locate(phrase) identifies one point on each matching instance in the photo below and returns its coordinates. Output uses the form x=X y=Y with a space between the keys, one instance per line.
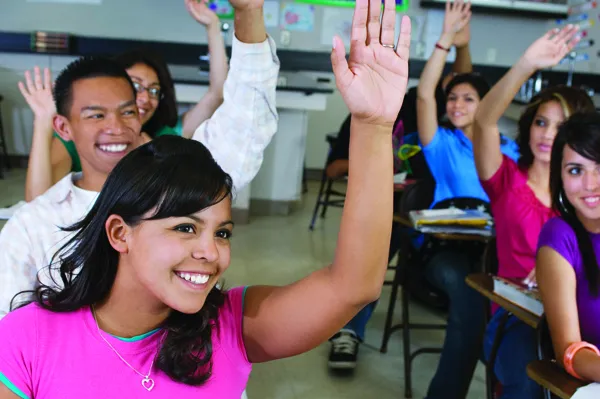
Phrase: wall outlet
x=491 y=55
x=284 y=39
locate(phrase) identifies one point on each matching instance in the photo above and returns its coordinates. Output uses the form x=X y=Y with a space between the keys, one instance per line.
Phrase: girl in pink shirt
x=145 y=262
x=519 y=192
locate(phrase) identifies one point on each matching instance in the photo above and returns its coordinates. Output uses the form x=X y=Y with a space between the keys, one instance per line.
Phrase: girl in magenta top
x=569 y=246
x=135 y=306
x=519 y=191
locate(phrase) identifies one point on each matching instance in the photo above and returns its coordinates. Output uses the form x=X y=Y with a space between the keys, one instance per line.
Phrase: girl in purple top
x=567 y=260
x=145 y=262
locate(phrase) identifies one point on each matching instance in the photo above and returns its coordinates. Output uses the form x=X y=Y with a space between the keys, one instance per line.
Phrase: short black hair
x=84 y=68
x=166 y=112
x=475 y=80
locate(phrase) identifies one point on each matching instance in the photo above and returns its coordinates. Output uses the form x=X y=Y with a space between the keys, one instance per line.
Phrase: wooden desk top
x=551 y=376
x=484 y=284
x=404 y=221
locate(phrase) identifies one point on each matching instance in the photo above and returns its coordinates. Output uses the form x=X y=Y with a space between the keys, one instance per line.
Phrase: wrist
x=525 y=66
x=372 y=127
x=446 y=39
x=462 y=47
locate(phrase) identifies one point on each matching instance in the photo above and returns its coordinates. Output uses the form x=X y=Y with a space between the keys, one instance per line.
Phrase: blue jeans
x=517 y=349
x=447 y=271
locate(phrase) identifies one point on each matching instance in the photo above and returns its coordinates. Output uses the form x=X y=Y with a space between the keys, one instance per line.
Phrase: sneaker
x=344 y=350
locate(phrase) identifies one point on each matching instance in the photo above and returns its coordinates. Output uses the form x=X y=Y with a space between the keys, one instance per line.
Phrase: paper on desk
x=6 y=213
x=591 y=391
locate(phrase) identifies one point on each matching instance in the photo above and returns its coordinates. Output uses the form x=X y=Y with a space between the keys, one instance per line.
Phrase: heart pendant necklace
x=147 y=382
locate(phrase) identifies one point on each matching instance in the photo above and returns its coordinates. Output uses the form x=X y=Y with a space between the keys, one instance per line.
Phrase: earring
x=561 y=201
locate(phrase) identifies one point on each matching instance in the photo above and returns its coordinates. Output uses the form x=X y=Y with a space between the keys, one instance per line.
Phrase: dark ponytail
x=168 y=177
x=581 y=132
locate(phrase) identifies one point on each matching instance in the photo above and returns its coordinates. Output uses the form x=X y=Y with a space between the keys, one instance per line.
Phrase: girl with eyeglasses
x=51 y=158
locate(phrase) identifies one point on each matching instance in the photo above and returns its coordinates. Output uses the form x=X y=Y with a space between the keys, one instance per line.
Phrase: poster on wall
x=401 y=5
x=222 y=8
x=271 y=13
x=297 y=17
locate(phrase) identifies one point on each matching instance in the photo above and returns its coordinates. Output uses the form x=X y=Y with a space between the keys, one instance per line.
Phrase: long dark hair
x=166 y=112
x=171 y=177
x=572 y=100
x=581 y=132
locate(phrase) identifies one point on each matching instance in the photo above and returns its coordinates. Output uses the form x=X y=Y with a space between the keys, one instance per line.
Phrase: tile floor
x=279 y=250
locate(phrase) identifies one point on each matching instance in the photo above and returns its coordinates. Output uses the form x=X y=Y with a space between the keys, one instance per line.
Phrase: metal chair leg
x=318 y=204
x=327 y=195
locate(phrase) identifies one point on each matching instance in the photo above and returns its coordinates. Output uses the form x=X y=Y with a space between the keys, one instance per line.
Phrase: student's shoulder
x=21 y=319
x=44 y=205
x=33 y=316
x=558 y=234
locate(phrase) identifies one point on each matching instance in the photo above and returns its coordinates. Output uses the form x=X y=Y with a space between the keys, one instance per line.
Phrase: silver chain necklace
x=147 y=382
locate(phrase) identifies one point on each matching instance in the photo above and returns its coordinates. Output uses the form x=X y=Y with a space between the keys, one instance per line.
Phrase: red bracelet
x=437 y=45
x=570 y=354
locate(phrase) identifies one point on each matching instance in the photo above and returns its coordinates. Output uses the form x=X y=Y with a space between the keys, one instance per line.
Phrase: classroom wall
x=496 y=40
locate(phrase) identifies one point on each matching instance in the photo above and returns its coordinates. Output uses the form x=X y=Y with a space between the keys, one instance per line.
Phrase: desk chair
x=327 y=195
x=3 y=151
x=416 y=196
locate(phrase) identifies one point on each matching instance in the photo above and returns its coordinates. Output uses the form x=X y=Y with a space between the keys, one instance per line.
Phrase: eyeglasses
x=153 y=92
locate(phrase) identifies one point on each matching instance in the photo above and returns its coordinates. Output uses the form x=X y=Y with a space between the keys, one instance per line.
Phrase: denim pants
x=516 y=350
x=447 y=271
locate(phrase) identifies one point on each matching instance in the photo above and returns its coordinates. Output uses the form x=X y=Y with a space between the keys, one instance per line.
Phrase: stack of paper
x=452 y=221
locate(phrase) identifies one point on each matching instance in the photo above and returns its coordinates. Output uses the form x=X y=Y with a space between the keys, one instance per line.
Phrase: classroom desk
x=400 y=277
x=484 y=284
x=552 y=377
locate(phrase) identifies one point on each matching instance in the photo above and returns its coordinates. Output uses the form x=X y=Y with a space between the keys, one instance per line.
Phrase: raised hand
x=201 y=12
x=38 y=93
x=373 y=81
x=463 y=36
x=457 y=17
x=549 y=49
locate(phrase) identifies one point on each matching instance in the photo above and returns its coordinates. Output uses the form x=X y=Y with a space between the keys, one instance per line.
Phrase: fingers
x=47 y=79
x=339 y=64
x=37 y=78
x=373 y=25
x=29 y=82
x=359 y=22
x=566 y=34
x=403 y=45
x=388 y=22
x=24 y=91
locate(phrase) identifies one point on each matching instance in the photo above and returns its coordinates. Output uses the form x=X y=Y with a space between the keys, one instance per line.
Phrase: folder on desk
x=520 y=294
x=450 y=217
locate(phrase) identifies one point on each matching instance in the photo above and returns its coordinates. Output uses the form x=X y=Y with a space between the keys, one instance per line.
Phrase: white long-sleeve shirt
x=236 y=135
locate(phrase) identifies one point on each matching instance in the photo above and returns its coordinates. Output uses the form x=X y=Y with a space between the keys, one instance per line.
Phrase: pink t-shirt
x=519 y=217
x=61 y=355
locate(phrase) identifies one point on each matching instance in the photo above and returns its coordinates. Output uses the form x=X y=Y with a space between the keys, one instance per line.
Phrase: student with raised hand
x=567 y=266
x=52 y=157
x=140 y=309
x=519 y=191
x=448 y=152
x=96 y=103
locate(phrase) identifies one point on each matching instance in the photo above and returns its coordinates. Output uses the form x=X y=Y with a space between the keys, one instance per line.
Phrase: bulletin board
x=401 y=5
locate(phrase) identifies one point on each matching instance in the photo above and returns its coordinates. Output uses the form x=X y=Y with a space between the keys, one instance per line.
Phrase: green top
x=176 y=130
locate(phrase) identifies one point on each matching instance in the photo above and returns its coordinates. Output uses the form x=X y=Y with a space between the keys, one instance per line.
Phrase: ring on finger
x=388 y=45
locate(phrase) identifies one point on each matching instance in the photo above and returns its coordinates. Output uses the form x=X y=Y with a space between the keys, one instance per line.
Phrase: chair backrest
x=545 y=349
x=490 y=257
x=416 y=196
x=463 y=203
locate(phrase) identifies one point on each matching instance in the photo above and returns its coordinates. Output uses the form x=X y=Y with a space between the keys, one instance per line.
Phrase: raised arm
x=217 y=64
x=545 y=52
x=462 y=63
x=47 y=163
x=558 y=287
x=456 y=18
x=242 y=127
x=284 y=321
